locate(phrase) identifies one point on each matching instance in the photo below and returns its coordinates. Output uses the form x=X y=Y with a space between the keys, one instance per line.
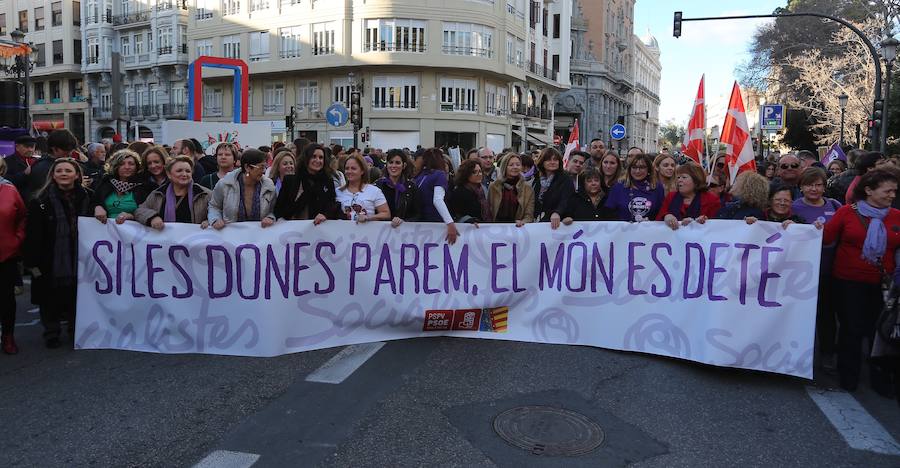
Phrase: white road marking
x=228 y=459
x=26 y=280
x=344 y=363
x=856 y=425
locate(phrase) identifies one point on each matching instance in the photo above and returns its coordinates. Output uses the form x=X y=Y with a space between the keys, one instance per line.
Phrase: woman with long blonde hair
x=665 y=165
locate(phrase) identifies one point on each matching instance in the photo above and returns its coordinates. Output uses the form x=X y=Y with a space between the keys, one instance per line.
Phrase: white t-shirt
x=365 y=202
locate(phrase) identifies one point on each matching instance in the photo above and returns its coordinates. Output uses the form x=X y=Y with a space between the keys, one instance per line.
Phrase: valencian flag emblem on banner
x=696 y=131
x=736 y=136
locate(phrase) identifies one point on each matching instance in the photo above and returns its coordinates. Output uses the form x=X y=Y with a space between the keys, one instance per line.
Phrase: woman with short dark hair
x=468 y=201
x=589 y=202
x=432 y=181
x=398 y=187
x=244 y=194
x=691 y=201
x=309 y=193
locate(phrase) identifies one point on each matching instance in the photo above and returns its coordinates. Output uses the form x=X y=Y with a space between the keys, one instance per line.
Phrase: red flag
x=573 y=143
x=695 y=135
x=736 y=136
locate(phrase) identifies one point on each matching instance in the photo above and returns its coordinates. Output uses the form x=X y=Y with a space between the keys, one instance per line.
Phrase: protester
x=186 y=147
x=750 y=197
x=528 y=169
x=300 y=145
x=867 y=235
x=589 y=203
x=864 y=163
x=207 y=162
x=598 y=150
x=398 y=188
x=51 y=243
x=118 y=194
x=12 y=235
x=720 y=178
x=770 y=170
x=488 y=168
x=611 y=168
x=468 y=201
x=432 y=182
x=690 y=201
x=807 y=159
x=812 y=206
x=244 y=194
x=361 y=201
x=180 y=201
x=60 y=144
x=18 y=164
x=575 y=165
x=664 y=165
x=94 y=168
x=634 y=151
x=781 y=200
x=788 y=174
x=138 y=146
x=282 y=165
x=639 y=197
x=227 y=159
x=552 y=188
x=510 y=197
x=310 y=192
x=836 y=167
x=153 y=160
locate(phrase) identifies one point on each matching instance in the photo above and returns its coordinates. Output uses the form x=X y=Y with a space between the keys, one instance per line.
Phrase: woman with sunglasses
x=552 y=188
x=51 y=246
x=310 y=192
x=119 y=193
x=720 y=180
x=227 y=159
x=468 y=200
x=361 y=201
x=398 y=188
x=180 y=201
x=639 y=197
x=244 y=194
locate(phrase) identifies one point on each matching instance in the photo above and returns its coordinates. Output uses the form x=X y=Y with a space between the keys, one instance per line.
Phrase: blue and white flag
x=834 y=153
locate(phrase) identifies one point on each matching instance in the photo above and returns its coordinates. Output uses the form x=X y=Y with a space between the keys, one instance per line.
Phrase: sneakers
x=8 y=343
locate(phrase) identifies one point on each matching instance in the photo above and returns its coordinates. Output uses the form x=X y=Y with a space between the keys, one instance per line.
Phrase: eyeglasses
x=791 y=166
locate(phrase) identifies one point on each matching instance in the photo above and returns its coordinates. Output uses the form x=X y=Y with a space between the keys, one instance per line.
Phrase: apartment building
x=53 y=27
x=135 y=65
x=647 y=75
x=431 y=72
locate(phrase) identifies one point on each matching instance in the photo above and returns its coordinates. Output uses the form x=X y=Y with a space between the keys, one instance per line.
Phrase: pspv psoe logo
x=437 y=320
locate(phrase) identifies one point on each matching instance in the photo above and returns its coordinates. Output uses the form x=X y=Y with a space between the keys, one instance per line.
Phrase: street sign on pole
x=337 y=115
x=617 y=132
x=772 y=117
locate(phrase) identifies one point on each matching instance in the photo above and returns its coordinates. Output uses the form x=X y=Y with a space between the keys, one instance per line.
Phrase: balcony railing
x=289 y=53
x=395 y=105
x=102 y=113
x=148 y=110
x=520 y=109
x=93 y=60
x=273 y=108
x=173 y=110
x=135 y=111
x=457 y=107
x=393 y=47
x=203 y=14
x=180 y=4
x=259 y=5
x=469 y=51
x=165 y=50
x=131 y=18
x=542 y=71
x=183 y=48
x=513 y=11
x=212 y=111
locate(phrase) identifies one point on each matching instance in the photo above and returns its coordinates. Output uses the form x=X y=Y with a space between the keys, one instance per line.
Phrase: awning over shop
x=47 y=125
x=537 y=139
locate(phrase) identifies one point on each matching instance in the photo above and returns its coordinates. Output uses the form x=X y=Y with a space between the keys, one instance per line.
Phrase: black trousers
x=9 y=270
x=826 y=321
x=60 y=305
x=859 y=305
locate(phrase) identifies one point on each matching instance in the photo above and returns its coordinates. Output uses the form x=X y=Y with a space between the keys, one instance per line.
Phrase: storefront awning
x=537 y=139
x=47 y=125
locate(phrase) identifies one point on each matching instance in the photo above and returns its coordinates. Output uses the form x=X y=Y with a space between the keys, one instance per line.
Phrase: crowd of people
x=854 y=203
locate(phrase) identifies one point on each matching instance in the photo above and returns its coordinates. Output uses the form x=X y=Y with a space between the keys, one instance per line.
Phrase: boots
x=8 y=343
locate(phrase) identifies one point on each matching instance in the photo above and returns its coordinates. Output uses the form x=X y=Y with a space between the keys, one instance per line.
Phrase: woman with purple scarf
x=432 y=184
x=179 y=201
x=398 y=187
x=867 y=234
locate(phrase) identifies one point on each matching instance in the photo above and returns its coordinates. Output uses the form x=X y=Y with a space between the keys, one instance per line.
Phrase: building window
x=556 y=25
x=231 y=46
x=257 y=5
x=502 y=100
x=517 y=8
x=57 y=52
x=55 y=92
x=39 y=97
x=534 y=14
x=394 y=35
x=468 y=39
x=56 y=14
x=76 y=90
x=125 y=46
x=40 y=55
x=138 y=43
x=308 y=95
x=290 y=41
x=3 y=24
x=259 y=46
x=459 y=95
x=149 y=41
x=23 y=21
x=204 y=47
x=205 y=9
x=164 y=40
x=76 y=47
x=273 y=98
x=76 y=13
x=490 y=99
x=212 y=102
x=395 y=92
x=182 y=39
x=341 y=88
x=323 y=38
x=231 y=7
x=93 y=51
x=545 y=22
x=39 y=19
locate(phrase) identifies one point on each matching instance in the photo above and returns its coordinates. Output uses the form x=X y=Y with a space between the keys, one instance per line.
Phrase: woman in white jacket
x=244 y=194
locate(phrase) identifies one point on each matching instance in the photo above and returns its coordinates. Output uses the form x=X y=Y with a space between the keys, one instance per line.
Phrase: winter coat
x=226 y=198
x=318 y=196
x=524 y=195
x=555 y=198
x=407 y=206
x=153 y=205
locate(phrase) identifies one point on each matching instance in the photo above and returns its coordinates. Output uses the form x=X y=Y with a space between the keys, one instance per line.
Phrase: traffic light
x=875 y=121
x=356 y=109
x=676 y=29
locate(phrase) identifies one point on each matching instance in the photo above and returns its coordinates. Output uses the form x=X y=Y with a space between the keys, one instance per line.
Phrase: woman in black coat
x=309 y=193
x=589 y=203
x=552 y=188
x=467 y=201
x=51 y=245
x=398 y=187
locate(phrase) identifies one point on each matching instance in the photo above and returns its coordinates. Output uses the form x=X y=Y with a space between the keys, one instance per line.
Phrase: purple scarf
x=876 y=235
x=693 y=210
x=171 y=203
x=278 y=185
x=399 y=187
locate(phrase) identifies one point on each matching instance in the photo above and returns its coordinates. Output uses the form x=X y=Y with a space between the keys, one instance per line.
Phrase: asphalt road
x=425 y=402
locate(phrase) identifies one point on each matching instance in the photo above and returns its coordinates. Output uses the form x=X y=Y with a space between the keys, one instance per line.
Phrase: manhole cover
x=544 y=430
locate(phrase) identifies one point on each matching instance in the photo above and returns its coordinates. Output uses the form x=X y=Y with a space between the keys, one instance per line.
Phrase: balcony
x=132 y=18
x=165 y=50
x=457 y=107
x=169 y=5
x=395 y=105
x=273 y=108
x=286 y=54
x=513 y=11
x=93 y=60
x=149 y=111
x=203 y=14
x=101 y=113
x=520 y=109
x=135 y=111
x=542 y=71
x=183 y=48
x=467 y=51
x=107 y=18
x=393 y=47
x=173 y=111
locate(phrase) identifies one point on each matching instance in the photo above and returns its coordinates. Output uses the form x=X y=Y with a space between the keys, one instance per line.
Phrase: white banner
x=210 y=134
x=724 y=293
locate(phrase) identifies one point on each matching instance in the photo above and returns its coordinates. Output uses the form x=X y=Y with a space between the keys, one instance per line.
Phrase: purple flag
x=834 y=153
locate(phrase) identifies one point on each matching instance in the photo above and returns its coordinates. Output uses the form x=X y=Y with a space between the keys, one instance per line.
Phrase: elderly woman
x=750 y=197
x=690 y=201
x=511 y=199
x=227 y=158
x=244 y=194
x=309 y=193
x=398 y=187
x=119 y=193
x=283 y=165
x=179 y=201
x=51 y=248
x=93 y=168
x=153 y=160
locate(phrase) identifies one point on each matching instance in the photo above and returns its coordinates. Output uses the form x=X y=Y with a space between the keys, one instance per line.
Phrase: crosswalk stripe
x=228 y=459
x=344 y=363
x=853 y=422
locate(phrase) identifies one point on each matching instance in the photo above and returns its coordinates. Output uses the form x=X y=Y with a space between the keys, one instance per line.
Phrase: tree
x=671 y=134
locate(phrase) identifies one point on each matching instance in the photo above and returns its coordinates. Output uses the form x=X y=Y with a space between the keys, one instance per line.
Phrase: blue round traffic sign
x=617 y=132
x=337 y=115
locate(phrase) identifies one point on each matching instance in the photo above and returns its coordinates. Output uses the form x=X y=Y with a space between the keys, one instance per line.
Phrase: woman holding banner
x=153 y=160
x=361 y=201
x=867 y=235
x=467 y=201
x=179 y=201
x=552 y=188
x=51 y=245
x=639 y=197
x=589 y=203
x=120 y=191
x=309 y=193
x=511 y=199
x=398 y=188
x=227 y=158
x=244 y=194
x=665 y=165
x=750 y=197
x=690 y=201
x=780 y=209
x=432 y=182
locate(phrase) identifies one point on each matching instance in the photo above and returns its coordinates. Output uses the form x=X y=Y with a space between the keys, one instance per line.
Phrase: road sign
x=772 y=117
x=337 y=115
x=617 y=132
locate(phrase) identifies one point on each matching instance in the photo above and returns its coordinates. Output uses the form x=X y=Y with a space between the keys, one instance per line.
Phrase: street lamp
x=842 y=100
x=19 y=37
x=761 y=101
x=889 y=52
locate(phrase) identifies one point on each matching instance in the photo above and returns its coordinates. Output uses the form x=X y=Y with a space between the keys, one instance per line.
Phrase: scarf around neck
x=122 y=186
x=399 y=187
x=876 y=234
x=693 y=210
x=172 y=202
x=242 y=208
x=486 y=216
x=66 y=215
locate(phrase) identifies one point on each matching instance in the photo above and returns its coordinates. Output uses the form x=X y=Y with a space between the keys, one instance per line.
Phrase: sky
x=712 y=47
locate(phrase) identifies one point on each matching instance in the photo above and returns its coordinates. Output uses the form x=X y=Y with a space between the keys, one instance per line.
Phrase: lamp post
x=761 y=101
x=19 y=37
x=889 y=52
x=842 y=100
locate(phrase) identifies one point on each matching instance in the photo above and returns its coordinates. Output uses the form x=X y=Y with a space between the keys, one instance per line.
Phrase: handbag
x=887 y=325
